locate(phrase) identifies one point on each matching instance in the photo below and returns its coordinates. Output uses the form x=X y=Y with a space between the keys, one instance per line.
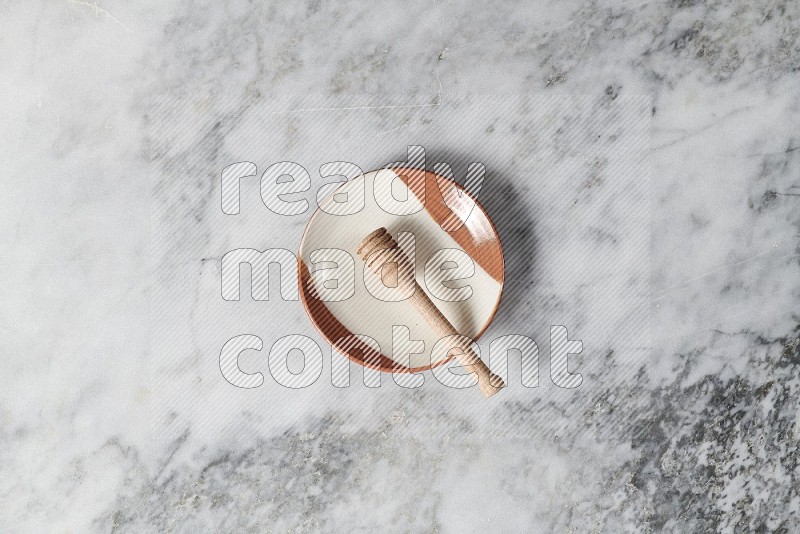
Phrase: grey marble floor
x=642 y=167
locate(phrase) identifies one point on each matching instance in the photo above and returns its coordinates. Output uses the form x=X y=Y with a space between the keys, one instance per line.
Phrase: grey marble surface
x=643 y=168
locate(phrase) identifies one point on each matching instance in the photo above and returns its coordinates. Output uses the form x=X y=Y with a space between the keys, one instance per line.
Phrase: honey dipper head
x=377 y=248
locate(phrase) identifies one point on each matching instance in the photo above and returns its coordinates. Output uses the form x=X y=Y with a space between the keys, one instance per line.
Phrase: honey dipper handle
x=488 y=382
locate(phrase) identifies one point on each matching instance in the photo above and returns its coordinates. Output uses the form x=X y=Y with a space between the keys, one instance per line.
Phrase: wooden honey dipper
x=378 y=249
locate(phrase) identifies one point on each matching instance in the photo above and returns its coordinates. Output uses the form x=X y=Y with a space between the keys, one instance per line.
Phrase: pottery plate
x=456 y=252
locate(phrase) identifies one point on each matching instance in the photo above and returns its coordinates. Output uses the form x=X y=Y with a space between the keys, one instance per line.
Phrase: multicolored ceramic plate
x=440 y=226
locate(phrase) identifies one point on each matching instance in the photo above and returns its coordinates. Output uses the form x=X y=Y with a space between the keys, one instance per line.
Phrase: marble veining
x=643 y=164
